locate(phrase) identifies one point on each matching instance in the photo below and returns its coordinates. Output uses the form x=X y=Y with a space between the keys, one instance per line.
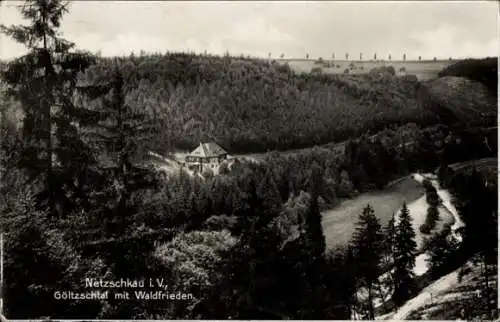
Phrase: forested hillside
x=482 y=70
x=250 y=105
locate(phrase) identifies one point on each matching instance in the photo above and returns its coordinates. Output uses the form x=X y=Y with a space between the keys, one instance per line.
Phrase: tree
x=315 y=238
x=440 y=248
x=444 y=175
x=43 y=81
x=347 y=56
x=367 y=245
x=194 y=260
x=432 y=196
x=389 y=241
x=360 y=56
x=390 y=57
x=477 y=201
x=419 y=58
x=387 y=283
x=307 y=56
x=375 y=56
x=404 y=57
x=405 y=250
x=333 y=56
x=117 y=135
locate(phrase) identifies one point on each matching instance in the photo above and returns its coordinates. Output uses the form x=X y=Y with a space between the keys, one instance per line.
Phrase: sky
x=428 y=29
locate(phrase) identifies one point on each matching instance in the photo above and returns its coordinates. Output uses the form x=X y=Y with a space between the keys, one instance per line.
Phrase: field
x=339 y=223
x=422 y=69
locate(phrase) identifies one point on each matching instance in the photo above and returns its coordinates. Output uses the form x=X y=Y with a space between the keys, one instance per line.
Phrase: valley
x=252 y=188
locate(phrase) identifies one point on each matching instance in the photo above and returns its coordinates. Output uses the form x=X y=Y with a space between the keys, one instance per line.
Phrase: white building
x=207 y=156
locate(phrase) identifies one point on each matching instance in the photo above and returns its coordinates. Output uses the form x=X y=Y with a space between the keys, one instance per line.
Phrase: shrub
x=425 y=229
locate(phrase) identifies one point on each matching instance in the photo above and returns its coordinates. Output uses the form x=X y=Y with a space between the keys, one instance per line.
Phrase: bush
x=425 y=229
x=346 y=71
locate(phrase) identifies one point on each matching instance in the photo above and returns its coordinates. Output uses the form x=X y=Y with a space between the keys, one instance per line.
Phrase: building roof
x=210 y=149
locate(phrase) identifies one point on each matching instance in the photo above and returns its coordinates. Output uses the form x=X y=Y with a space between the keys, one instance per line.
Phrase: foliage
x=405 y=250
x=367 y=244
x=192 y=261
x=249 y=98
x=42 y=81
x=461 y=101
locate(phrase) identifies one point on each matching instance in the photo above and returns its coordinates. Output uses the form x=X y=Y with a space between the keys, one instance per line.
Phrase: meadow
x=340 y=222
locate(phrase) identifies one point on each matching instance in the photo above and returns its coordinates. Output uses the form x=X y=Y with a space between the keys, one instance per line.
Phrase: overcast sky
x=441 y=29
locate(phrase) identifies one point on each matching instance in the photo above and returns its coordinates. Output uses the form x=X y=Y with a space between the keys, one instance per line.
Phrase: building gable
x=208 y=150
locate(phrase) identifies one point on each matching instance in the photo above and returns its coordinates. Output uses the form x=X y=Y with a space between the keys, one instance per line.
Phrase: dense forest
x=248 y=243
x=254 y=105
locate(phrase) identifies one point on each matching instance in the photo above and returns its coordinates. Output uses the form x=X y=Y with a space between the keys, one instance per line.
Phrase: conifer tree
x=405 y=249
x=367 y=246
x=389 y=239
x=388 y=254
x=315 y=238
x=42 y=81
x=116 y=135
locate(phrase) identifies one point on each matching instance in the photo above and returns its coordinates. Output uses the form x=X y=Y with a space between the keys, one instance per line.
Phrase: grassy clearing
x=339 y=223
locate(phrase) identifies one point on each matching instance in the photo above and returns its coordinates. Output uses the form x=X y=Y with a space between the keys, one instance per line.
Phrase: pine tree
x=405 y=249
x=444 y=174
x=367 y=246
x=388 y=252
x=117 y=134
x=440 y=248
x=315 y=238
x=42 y=81
x=389 y=236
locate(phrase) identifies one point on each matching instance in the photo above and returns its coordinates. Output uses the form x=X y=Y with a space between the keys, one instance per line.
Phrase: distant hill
x=482 y=70
x=465 y=92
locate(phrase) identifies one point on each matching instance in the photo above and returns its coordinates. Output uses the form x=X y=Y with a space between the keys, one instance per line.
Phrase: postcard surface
x=187 y=160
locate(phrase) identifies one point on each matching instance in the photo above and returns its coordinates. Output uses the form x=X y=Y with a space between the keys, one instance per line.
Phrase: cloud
x=448 y=41
x=428 y=29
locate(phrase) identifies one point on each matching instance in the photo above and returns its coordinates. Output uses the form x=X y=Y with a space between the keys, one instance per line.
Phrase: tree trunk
x=371 y=309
